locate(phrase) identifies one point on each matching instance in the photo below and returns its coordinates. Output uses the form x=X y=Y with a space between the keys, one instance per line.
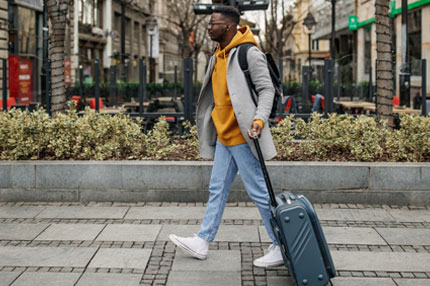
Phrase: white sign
x=153 y=37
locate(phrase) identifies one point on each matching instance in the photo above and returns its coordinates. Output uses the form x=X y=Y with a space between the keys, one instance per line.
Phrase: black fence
x=143 y=99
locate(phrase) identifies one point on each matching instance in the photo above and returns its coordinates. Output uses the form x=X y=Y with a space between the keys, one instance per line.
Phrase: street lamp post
x=122 y=42
x=309 y=22
x=405 y=75
x=151 y=24
x=333 y=29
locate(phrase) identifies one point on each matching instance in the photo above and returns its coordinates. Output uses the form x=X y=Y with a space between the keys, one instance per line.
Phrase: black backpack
x=274 y=75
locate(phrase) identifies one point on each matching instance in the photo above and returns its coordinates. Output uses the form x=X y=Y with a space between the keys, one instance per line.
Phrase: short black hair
x=229 y=12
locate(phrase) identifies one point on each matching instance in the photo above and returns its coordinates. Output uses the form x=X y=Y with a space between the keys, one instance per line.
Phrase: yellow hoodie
x=223 y=115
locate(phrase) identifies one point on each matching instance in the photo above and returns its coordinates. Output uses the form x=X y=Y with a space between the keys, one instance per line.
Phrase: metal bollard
x=97 y=85
x=188 y=89
x=4 y=84
x=140 y=95
x=328 y=85
x=48 y=87
x=424 y=110
x=305 y=88
x=112 y=85
x=175 y=93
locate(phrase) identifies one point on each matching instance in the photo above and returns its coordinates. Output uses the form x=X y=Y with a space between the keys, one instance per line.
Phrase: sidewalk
x=126 y=244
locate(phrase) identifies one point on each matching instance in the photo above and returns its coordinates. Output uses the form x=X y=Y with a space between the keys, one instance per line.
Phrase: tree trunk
x=384 y=63
x=57 y=12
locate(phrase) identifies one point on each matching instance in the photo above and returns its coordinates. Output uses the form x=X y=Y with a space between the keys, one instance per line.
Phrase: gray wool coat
x=244 y=108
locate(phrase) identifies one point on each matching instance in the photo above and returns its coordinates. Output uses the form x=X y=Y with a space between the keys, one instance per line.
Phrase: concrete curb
x=178 y=181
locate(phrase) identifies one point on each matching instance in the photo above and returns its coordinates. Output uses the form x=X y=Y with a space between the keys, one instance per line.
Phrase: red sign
x=67 y=72
x=21 y=79
x=25 y=81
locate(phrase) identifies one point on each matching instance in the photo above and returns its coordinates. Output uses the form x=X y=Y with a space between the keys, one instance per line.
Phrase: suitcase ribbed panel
x=301 y=241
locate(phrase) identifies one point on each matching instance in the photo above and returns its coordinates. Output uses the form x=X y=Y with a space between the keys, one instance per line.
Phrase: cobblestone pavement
x=126 y=244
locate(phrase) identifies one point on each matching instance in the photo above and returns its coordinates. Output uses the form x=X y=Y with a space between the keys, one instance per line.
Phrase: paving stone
x=46 y=256
x=20 y=212
x=354 y=214
x=264 y=237
x=84 y=212
x=7 y=277
x=199 y=278
x=352 y=235
x=120 y=258
x=109 y=279
x=410 y=215
x=405 y=236
x=180 y=230
x=341 y=235
x=129 y=232
x=353 y=281
x=166 y=213
x=242 y=213
x=71 y=232
x=230 y=233
x=21 y=231
x=217 y=260
x=279 y=281
x=412 y=282
x=381 y=261
x=46 y=279
x=238 y=233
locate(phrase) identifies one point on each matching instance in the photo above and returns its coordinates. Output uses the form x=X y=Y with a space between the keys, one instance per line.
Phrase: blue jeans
x=316 y=107
x=228 y=160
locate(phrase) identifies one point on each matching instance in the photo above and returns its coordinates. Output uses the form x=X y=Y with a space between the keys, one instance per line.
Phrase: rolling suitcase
x=299 y=234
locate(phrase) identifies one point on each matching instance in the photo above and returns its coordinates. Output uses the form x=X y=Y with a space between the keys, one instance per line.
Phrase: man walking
x=227 y=118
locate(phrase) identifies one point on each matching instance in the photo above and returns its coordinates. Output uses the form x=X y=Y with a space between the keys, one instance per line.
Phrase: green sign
x=353 y=22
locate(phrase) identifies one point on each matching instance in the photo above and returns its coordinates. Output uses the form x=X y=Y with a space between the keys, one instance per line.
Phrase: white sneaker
x=271 y=259
x=196 y=246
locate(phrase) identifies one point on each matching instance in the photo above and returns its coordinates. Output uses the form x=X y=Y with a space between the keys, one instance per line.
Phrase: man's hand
x=255 y=129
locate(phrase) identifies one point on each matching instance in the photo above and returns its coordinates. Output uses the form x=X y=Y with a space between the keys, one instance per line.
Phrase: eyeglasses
x=210 y=24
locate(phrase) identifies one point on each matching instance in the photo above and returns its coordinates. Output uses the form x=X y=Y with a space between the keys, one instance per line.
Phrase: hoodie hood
x=243 y=35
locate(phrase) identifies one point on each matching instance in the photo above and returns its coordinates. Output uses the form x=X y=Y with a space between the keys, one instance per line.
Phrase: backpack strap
x=243 y=63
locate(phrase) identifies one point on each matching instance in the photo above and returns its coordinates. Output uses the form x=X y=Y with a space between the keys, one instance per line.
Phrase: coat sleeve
x=263 y=84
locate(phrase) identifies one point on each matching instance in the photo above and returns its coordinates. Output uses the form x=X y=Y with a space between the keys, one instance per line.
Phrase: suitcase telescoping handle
x=265 y=173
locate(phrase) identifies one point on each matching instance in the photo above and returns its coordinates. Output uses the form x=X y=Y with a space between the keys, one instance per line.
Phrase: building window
x=414 y=41
x=117 y=23
x=367 y=49
x=136 y=36
x=90 y=12
x=316 y=45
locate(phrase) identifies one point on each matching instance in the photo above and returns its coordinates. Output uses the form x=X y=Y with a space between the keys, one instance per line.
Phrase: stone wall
x=132 y=181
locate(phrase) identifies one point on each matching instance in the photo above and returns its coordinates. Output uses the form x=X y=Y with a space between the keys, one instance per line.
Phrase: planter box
x=179 y=181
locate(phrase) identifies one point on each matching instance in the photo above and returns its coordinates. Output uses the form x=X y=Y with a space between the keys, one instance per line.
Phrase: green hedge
x=32 y=136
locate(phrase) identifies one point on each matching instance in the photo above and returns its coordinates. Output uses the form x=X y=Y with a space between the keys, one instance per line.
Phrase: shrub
x=94 y=136
x=412 y=141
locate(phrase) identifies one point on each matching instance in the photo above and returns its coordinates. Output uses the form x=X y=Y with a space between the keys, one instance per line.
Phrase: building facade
x=418 y=40
x=297 y=47
x=147 y=35
x=98 y=35
x=24 y=48
x=345 y=39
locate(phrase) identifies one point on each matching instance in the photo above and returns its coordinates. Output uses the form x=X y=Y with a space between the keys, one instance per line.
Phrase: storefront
x=25 y=50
